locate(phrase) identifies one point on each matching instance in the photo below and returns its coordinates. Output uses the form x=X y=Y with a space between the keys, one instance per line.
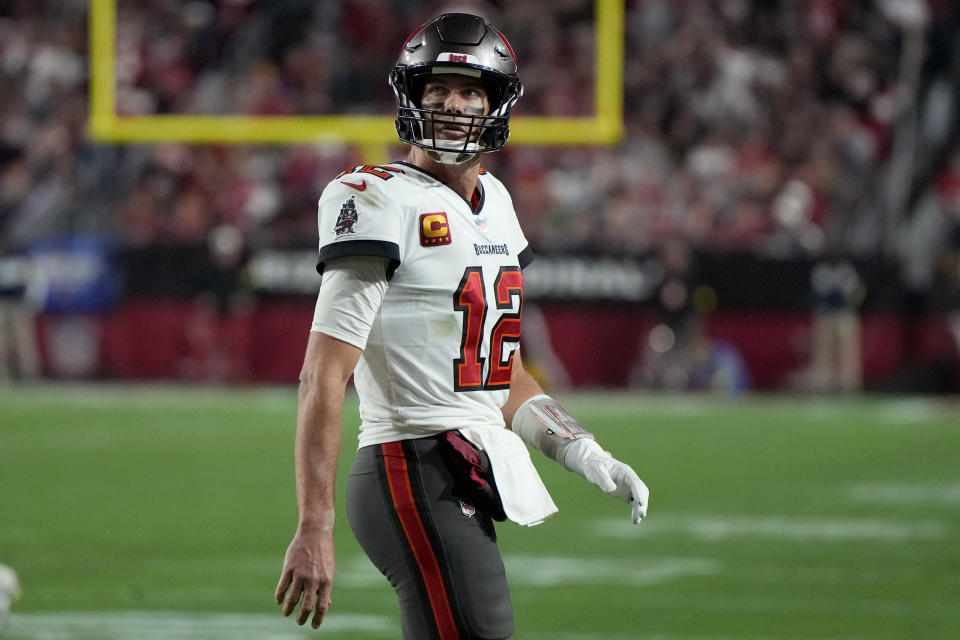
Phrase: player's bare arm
x=523 y=386
x=309 y=563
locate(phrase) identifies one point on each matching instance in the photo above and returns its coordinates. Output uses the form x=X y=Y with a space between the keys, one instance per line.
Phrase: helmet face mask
x=456 y=43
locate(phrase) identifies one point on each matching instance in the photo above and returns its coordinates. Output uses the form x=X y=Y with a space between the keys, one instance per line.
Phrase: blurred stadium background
x=747 y=222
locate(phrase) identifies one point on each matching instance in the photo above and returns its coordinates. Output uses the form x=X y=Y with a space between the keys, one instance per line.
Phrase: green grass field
x=147 y=513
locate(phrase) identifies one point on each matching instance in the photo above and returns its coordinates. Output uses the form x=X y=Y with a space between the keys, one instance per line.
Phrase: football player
x=421 y=301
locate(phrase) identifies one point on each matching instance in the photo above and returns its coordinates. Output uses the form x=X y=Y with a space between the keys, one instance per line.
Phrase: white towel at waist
x=525 y=499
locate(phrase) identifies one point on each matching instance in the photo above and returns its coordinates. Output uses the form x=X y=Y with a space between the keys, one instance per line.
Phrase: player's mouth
x=451 y=129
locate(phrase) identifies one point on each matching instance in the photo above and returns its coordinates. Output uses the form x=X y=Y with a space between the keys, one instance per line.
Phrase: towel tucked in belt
x=525 y=499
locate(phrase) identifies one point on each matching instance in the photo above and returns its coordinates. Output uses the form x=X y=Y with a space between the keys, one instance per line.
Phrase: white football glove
x=586 y=457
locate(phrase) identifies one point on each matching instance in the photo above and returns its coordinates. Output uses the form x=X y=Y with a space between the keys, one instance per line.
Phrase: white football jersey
x=440 y=352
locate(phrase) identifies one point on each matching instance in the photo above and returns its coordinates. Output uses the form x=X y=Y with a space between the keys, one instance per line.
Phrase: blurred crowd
x=751 y=125
x=818 y=130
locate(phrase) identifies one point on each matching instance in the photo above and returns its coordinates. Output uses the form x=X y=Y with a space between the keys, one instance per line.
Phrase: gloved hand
x=586 y=457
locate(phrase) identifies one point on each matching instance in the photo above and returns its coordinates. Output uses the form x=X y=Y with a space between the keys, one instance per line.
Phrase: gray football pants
x=438 y=551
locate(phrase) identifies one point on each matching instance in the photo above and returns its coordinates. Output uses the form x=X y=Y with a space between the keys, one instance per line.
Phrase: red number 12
x=470 y=298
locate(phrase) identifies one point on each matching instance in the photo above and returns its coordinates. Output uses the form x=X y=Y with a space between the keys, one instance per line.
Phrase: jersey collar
x=476 y=200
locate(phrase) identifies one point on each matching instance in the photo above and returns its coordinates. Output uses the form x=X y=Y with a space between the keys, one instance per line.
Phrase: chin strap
x=448 y=157
x=449 y=151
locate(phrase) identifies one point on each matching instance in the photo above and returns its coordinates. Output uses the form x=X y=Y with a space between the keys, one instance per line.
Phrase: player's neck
x=462 y=178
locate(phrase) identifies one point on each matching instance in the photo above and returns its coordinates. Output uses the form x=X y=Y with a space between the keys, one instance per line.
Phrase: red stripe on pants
x=406 y=507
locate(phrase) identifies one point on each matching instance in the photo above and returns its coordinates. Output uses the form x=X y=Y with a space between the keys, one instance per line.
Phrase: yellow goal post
x=371 y=133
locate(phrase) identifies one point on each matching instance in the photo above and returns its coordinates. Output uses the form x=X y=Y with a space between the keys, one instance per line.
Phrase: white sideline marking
x=909 y=411
x=902 y=494
x=545 y=571
x=175 y=625
x=788 y=528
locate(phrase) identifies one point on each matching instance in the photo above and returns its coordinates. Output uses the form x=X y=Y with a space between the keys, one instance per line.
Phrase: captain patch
x=434 y=229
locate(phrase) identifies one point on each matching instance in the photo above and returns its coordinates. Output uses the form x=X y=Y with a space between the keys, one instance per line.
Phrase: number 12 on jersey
x=470 y=298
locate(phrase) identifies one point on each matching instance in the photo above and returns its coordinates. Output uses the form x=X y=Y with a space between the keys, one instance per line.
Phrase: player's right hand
x=308 y=569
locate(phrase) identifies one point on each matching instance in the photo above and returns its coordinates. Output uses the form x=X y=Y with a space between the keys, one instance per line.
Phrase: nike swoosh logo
x=359 y=187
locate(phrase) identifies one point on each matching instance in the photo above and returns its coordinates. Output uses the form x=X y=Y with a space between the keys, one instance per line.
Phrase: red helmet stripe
x=506 y=42
x=414 y=35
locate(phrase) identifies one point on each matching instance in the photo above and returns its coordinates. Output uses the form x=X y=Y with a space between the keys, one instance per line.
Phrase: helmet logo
x=456 y=57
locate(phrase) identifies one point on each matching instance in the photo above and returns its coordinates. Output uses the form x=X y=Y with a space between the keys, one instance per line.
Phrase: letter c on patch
x=435 y=225
x=434 y=229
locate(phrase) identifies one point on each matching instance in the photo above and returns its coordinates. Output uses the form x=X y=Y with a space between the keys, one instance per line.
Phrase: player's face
x=459 y=96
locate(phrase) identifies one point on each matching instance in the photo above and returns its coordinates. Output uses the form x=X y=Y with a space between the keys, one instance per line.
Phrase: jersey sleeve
x=525 y=257
x=349 y=299
x=358 y=217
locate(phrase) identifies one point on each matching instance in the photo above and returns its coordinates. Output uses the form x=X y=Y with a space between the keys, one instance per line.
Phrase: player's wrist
x=545 y=425
x=321 y=522
x=577 y=453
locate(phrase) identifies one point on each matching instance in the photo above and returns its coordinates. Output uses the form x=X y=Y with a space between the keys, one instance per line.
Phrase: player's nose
x=454 y=103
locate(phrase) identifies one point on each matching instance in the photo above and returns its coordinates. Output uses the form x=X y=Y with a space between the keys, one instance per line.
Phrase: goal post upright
x=373 y=133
